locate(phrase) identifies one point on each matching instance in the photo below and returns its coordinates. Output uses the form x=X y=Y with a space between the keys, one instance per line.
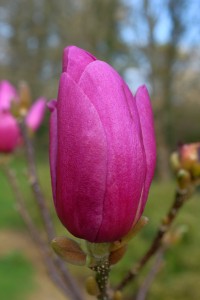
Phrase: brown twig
x=180 y=197
x=144 y=289
x=34 y=181
x=44 y=211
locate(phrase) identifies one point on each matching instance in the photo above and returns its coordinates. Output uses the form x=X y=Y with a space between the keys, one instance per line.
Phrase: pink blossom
x=9 y=133
x=7 y=94
x=102 y=149
x=35 y=115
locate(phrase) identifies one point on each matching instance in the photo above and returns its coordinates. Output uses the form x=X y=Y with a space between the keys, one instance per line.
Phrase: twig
x=180 y=197
x=34 y=181
x=21 y=207
x=143 y=291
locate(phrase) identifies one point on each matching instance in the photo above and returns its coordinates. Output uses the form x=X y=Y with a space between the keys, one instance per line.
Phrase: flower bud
x=9 y=133
x=102 y=149
x=24 y=98
x=190 y=158
x=92 y=286
x=117 y=295
x=187 y=158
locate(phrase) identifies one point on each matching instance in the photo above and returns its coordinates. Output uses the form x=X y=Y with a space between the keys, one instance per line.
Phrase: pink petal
x=75 y=61
x=9 y=133
x=146 y=119
x=81 y=162
x=126 y=161
x=52 y=105
x=35 y=115
x=7 y=94
x=53 y=145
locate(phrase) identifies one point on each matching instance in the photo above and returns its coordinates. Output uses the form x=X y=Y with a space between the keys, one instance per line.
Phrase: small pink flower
x=35 y=114
x=9 y=133
x=7 y=94
x=102 y=149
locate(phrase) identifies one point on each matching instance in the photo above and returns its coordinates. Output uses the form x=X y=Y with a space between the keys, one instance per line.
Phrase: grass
x=180 y=274
x=16 y=277
x=181 y=271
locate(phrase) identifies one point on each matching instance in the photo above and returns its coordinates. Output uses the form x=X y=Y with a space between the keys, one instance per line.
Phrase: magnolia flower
x=102 y=149
x=35 y=113
x=9 y=129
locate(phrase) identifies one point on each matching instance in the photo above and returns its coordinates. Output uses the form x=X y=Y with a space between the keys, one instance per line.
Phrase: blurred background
x=152 y=42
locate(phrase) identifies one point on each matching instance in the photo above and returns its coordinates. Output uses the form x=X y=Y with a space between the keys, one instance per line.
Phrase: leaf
x=69 y=250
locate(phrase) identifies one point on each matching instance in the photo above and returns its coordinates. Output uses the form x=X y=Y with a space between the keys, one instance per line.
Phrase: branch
x=44 y=211
x=180 y=197
x=34 y=181
x=143 y=291
x=23 y=211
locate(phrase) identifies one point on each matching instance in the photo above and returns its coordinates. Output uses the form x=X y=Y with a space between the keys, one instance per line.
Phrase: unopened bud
x=174 y=236
x=183 y=179
x=186 y=165
x=190 y=158
x=92 y=286
x=175 y=161
x=24 y=98
x=117 y=295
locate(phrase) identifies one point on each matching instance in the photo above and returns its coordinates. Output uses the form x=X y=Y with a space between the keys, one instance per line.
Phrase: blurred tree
x=144 y=34
x=40 y=29
x=34 y=33
x=164 y=62
x=163 y=59
x=100 y=28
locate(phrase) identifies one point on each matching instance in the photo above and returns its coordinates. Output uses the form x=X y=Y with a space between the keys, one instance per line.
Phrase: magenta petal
x=52 y=104
x=7 y=94
x=126 y=158
x=81 y=162
x=75 y=61
x=9 y=133
x=35 y=115
x=146 y=119
x=102 y=149
x=53 y=146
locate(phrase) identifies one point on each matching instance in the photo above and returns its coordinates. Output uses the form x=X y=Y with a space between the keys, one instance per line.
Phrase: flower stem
x=102 y=274
x=35 y=185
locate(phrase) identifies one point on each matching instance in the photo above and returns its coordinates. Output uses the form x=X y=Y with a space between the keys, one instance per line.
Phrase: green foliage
x=178 y=278
x=8 y=214
x=16 y=277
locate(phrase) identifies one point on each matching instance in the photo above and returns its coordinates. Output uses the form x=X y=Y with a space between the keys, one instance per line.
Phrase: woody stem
x=102 y=273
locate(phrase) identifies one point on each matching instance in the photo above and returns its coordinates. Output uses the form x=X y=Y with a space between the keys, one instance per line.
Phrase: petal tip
x=52 y=104
x=142 y=90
